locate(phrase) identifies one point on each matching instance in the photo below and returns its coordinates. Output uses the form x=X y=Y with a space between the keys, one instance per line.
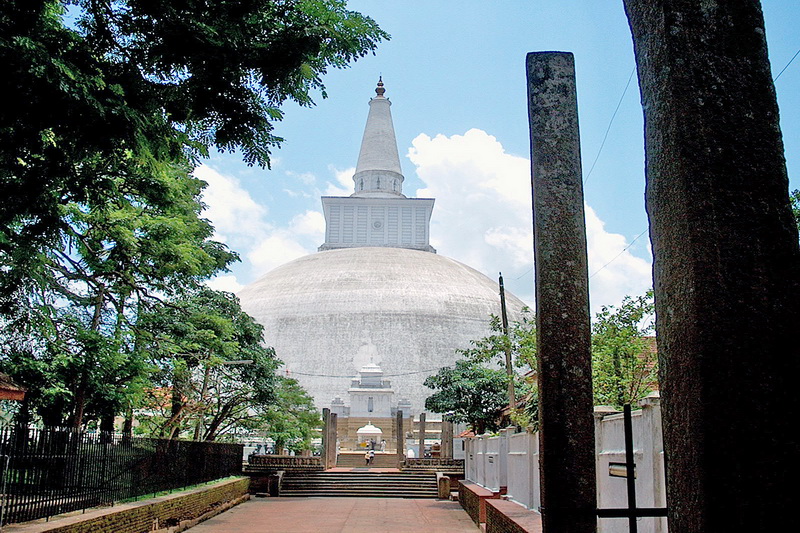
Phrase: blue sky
x=456 y=76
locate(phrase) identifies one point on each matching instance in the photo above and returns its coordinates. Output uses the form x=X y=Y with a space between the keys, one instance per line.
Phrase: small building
x=10 y=390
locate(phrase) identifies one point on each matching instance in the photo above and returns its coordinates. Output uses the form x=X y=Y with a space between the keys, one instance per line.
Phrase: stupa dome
x=331 y=313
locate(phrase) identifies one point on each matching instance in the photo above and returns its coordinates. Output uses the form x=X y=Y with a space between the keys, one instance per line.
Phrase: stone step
x=381 y=460
x=360 y=484
x=361 y=480
x=348 y=485
x=354 y=474
x=396 y=493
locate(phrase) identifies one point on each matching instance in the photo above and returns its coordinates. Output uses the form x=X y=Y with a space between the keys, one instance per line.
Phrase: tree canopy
x=624 y=360
x=475 y=389
x=100 y=94
x=291 y=420
x=211 y=360
x=624 y=367
x=103 y=251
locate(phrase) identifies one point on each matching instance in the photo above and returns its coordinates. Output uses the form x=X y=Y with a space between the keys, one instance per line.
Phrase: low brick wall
x=472 y=498
x=164 y=514
x=503 y=516
x=289 y=463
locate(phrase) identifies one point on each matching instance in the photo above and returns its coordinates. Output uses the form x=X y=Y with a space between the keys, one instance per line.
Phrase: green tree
x=521 y=340
x=794 y=197
x=102 y=92
x=292 y=420
x=83 y=295
x=624 y=362
x=193 y=340
x=469 y=392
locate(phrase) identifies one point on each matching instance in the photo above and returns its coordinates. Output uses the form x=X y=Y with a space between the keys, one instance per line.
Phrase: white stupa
x=376 y=293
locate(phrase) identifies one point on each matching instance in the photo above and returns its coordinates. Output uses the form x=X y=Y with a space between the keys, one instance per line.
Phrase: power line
x=351 y=376
x=787 y=66
x=619 y=254
x=608 y=129
x=525 y=274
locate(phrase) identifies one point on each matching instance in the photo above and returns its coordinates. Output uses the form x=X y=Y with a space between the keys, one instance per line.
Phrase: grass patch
x=173 y=491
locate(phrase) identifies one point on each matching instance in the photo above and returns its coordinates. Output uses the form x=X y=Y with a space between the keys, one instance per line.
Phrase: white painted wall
x=512 y=460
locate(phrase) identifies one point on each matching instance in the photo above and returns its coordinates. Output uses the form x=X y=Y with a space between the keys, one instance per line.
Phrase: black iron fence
x=49 y=471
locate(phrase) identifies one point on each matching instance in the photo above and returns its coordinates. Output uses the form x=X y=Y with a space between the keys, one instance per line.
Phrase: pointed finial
x=380 y=90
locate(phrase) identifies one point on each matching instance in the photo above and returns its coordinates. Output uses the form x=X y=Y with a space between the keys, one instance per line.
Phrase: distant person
x=371 y=456
x=410 y=453
x=383 y=445
x=366 y=459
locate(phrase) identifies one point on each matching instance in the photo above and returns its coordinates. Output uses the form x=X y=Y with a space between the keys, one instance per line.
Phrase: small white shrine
x=369 y=433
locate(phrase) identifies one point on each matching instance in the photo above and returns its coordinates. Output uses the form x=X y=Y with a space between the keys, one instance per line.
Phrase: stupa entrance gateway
x=368 y=419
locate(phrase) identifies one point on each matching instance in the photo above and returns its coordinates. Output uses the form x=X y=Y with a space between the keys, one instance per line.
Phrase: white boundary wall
x=511 y=460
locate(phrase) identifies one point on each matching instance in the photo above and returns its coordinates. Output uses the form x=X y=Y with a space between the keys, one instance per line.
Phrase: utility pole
x=512 y=400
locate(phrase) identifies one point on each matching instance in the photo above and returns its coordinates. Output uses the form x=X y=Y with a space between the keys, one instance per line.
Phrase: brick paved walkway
x=340 y=515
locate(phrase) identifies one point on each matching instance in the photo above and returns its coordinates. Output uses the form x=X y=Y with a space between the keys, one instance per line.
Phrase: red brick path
x=340 y=515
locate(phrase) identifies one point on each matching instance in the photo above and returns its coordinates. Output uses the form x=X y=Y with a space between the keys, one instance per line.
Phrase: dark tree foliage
x=469 y=392
x=100 y=90
x=69 y=331
x=292 y=421
x=475 y=390
x=624 y=361
x=210 y=358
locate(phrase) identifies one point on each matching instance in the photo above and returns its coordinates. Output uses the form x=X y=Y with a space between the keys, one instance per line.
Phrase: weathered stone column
x=447 y=439
x=726 y=264
x=562 y=298
x=421 y=435
x=401 y=440
x=326 y=437
x=333 y=435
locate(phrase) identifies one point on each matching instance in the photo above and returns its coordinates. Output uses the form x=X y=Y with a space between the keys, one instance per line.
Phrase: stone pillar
x=334 y=438
x=562 y=298
x=332 y=434
x=447 y=439
x=421 y=435
x=726 y=264
x=326 y=437
x=401 y=440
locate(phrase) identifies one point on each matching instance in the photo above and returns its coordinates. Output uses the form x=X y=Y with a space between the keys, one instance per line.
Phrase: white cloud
x=482 y=217
x=614 y=272
x=225 y=282
x=344 y=182
x=296 y=194
x=230 y=208
x=242 y=224
x=310 y=223
x=304 y=233
x=278 y=248
x=306 y=178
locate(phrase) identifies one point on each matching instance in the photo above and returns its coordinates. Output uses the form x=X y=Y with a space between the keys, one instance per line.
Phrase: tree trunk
x=213 y=427
x=726 y=264
x=107 y=427
x=127 y=426
x=76 y=421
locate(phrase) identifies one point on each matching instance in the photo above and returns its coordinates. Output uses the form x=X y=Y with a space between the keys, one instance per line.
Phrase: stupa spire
x=378 y=173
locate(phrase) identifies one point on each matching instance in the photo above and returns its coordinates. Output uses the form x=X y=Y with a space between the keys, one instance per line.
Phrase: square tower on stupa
x=378 y=213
